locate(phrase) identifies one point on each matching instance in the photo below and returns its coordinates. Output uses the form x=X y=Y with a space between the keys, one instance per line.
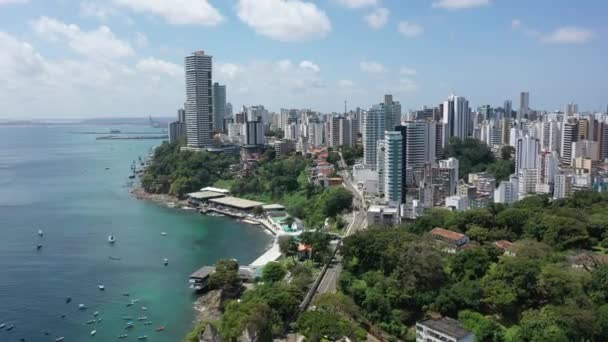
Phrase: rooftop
x=447 y=326
x=236 y=202
x=503 y=244
x=204 y=195
x=203 y=272
x=212 y=189
x=382 y=209
x=447 y=234
x=273 y=207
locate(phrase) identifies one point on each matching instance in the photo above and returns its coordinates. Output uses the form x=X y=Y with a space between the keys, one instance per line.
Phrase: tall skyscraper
x=456 y=118
x=393 y=154
x=420 y=143
x=340 y=132
x=392 y=112
x=199 y=100
x=508 y=107
x=551 y=136
x=602 y=139
x=526 y=153
x=524 y=106
x=219 y=106
x=569 y=135
x=571 y=109
x=181 y=115
x=404 y=174
x=373 y=131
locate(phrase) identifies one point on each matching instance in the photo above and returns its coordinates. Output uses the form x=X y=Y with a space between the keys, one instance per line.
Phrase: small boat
x=129 y=304
x=142 y=318
x=163 y=234
x=58 y=339
x=148 y=323
x=161 y=328
x=99 y=320
x=123 y=336
x=134 y=301
x=107 y=168
x=111 y=239
x=127 y=318
x=2 y=325
x=143 y=308
x=143 y=337
x=62 y=316
x=166 y=261
x=40 y=232
x=129 y=325
x=96 y=313
x=81 y=307
x=93 y=332
x=131 y=176
x=126 y=294
x=114 y=258
x=39 y=247
x=68 y=300
x=91 y=321
x=101 y=287
x=10 y=327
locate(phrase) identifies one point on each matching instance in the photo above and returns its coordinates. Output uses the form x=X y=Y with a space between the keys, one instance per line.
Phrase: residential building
x=551 y=136
x=219 y=107
x=177 y=130
x=392 y=112
x=442 y=330
x=524 y=106
x=254 y=132
x=457 y=203
x=484 y=182
x=585 y=149
x=563 y=186
x=527 y=182
x=548 y=165
x=393 y=163
x=199 y=100
x=453 y=241
x=457 y=121
x=602 y=139
x=508 y=107
x=571 y=109
x=420 y=143
x=383 y=215
x=284 y=147
x=373 y=131
x=526 y=153
x=508 y=191
x=340 y=132
x=569 y=135
x=315 y=134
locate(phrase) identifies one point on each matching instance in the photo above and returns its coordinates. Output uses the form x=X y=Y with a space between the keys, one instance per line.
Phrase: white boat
x=2 y=325
x=123 y=336
x=91 y=321
x=143 y=308
x=111 y=239
x=143 y=337
x=101 y=287
x=40 y=232
x=163 y=234
x=93 y=332
x=81 y=307
x=96 y=313
x=58 y=339
x=166 y=261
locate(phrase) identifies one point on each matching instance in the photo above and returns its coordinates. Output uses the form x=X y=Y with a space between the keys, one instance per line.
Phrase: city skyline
x=126 y=57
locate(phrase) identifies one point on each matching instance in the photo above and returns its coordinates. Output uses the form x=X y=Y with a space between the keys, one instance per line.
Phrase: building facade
x=199 y=100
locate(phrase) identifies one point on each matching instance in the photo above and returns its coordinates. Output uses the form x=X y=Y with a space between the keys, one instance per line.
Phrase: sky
x=112 y=58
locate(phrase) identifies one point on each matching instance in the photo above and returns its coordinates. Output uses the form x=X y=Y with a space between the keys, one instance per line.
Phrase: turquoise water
x=57 y=181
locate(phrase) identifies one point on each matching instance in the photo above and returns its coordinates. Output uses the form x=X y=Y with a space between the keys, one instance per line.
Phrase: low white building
x=457 y=203
x=383 y=215
x=442 y=330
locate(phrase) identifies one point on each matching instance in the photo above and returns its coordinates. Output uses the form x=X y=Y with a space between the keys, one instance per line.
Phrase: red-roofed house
x=453 y=240
x=505 y=246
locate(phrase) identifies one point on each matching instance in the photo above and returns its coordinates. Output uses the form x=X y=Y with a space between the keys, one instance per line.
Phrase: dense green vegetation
x=475 y=156
x=285 y=180
x=351 y=154
x=397 y=276
x=179 y=172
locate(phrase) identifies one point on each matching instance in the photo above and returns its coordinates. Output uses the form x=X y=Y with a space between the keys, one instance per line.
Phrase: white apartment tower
x=526 y=153
x=420 y=143
x=456 y=118
x=373 y=131
x=199 y=100
x=393 y=163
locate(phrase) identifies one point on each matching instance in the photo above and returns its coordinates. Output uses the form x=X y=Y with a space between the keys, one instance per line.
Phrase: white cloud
x=33 y=86
x=97 y=10
x=358 y=3
x=157 y=66
x=229 y=70
x=406 y=71
x=310 y=66
x=97 y=44
x=570 y=35
x=141 y=40
x=177 y=12
x=7 y=2
x=378 y=18
x=410 y=30
x=460 y=4
x=284 y=20
x=346 y=83
x=562 y=35
x=372 y=67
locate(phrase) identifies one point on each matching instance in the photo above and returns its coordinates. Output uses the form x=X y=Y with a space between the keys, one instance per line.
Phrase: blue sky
x=91 y=58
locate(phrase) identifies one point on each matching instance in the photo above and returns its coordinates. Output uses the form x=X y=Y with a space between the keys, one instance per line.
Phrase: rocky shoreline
x=166 y=200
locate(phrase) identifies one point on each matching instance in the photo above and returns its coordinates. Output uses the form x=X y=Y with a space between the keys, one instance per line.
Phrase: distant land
x=162 y=121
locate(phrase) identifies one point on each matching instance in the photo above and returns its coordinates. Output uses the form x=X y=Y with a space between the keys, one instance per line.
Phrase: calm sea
x=55 y=180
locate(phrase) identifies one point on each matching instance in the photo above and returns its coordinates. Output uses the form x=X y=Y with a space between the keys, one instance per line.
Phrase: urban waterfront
x=74 y=187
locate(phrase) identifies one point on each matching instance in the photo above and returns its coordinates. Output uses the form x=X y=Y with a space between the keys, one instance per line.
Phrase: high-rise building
x=393 y=163
x=548 y=165
x=551 y=136
x=507 y=192
x=602 y=139
x=524 y=106
x=508 y=107
x=199 y=100
x=528 y=179
x=526 y=153
x=586 y=149
x=254 y=132
x=583 y=129
x=181 y=115
x=404 y=174
x=340 y=132
x=563 y=186
x=438 y=139
x=486 y=112
x=229 y=110
x=373 y=131
x=315 y=134
x=505 y=131
x=571 y=109
x=219 y=106
x=392 y=112
x=420 y=143
x=457 y=121
x=569 y=135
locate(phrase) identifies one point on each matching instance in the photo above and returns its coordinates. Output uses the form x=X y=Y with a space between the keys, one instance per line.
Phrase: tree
x=601 y=322
x=473 y=155
x=323 y=326
x=507 y=152
x=287 y=245
x=539 y=326
x=273 y=272
x=289 y=220
x=513 y=219
x=226 y=278
x=473 y=263
x=485 y=330
x=465 y=294
x=558 y=285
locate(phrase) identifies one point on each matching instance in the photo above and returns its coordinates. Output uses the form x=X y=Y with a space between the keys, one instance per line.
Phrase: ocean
x=75 y=188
